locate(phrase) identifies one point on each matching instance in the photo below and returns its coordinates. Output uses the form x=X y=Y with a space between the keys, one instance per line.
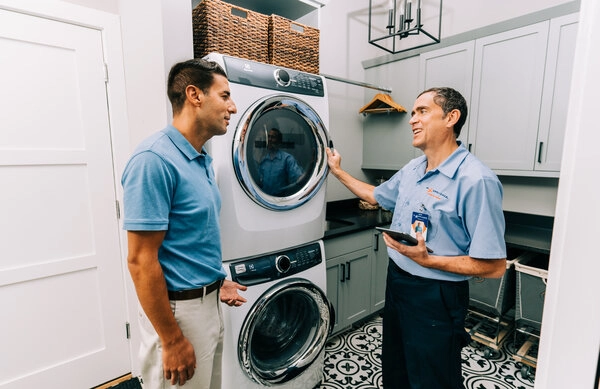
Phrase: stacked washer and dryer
x=272 y=227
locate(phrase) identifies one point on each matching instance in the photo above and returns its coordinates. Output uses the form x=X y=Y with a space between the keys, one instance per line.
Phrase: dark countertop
x=345 y=217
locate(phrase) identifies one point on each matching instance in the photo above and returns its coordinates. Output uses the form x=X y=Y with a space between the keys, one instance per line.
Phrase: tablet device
x=401 y=237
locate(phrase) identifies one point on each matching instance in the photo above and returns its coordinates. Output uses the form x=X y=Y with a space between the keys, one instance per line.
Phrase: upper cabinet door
x=506 y=98
x=555 y=98
x=451 y=67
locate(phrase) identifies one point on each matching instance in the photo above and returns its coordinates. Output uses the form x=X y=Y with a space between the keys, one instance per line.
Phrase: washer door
x=279 y=152
x=284 y=332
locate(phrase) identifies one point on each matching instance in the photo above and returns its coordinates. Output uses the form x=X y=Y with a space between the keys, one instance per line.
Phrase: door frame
x=110 y=28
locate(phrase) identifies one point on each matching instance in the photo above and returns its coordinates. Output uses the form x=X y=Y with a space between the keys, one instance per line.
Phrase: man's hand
x=179 y=361
x=229 y=293
x=334 y=160
x=417 y=253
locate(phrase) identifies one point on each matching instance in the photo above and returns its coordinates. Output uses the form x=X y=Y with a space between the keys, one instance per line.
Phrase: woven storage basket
x=293 y=45
x=227 y=29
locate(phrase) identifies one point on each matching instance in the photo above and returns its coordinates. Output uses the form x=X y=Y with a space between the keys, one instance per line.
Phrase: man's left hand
x=417 y=253
x=230 y=295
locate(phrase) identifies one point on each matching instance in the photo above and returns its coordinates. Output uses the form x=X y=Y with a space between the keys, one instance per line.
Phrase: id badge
x=419 y=223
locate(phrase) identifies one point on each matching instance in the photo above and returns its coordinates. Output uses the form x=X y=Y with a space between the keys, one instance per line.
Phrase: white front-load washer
x=273 y=197
x=277 y=339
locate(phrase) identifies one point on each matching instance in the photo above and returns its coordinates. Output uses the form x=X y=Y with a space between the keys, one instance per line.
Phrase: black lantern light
x=397 y=26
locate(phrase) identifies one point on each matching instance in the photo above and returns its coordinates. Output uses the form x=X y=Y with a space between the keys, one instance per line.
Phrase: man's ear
x=193 y=94
x=452 y=117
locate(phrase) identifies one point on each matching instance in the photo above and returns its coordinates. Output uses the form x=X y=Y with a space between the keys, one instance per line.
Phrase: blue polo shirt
x=463 y=200
x=169 y=186
x=278 y=172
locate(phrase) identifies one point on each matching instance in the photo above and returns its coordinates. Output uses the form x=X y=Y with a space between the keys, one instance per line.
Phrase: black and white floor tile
x=353 y=361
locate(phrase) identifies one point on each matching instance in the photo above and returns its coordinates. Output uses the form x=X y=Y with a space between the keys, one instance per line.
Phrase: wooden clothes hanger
x=382 y=103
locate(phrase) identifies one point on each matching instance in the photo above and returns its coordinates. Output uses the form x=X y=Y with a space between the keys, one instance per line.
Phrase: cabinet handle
x=540 y=152
x=376 y=243
x=343 y=273
x=348 y=271
x=469 y=147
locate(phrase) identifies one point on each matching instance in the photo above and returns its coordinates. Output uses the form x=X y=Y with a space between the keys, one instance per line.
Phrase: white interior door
x=61 y=274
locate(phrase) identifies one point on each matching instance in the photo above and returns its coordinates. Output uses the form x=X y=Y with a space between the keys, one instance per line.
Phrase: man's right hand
x=179 y=361
x=334 y=160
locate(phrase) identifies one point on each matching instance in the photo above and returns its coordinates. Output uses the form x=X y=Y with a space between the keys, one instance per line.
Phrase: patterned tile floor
x=352 y=361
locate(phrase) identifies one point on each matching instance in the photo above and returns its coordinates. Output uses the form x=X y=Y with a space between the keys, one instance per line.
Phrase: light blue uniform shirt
x=169 y=186
x=463 y=199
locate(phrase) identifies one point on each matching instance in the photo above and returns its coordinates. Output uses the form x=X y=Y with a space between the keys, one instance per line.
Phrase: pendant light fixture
x=399 y=25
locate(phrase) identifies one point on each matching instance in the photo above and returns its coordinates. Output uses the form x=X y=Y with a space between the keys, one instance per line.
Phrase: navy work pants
x=423 y=331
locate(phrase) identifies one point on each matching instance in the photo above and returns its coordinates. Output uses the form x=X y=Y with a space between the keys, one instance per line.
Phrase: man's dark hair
x=449 y=99
x=278 y=134
x=198 y=72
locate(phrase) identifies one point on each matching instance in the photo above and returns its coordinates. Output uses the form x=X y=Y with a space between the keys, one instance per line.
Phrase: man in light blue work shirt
x=456 y=202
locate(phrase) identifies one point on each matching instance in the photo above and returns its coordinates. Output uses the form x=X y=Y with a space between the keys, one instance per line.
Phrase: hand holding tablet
x=402 y=237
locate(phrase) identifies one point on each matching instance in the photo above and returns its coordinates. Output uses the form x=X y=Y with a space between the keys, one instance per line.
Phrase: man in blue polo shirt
x=171 y=206
x=452 y=203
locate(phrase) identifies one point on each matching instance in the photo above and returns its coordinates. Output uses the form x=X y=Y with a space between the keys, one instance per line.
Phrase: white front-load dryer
x=273 y=189
x=277 y=339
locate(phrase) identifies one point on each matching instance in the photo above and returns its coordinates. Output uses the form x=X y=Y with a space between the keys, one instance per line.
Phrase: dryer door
x=279 y=152
x=284 y=332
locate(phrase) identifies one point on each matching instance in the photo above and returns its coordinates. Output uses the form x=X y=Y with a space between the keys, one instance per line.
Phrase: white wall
x=570 y=340
x=343 y=33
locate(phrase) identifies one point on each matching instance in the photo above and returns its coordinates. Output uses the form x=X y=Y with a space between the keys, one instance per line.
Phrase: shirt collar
x=452 y=163
x=183 y=144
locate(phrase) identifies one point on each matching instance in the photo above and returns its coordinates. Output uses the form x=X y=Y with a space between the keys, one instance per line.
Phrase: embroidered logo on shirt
x=436 y=194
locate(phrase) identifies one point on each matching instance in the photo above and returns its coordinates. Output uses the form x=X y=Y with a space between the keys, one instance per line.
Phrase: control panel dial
x=283 y=263
x=282 y=77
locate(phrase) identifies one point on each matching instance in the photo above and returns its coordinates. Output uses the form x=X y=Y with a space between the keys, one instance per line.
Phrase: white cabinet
x=378 y=272
x=519 y=103
x=506 y=98
x=451 y=66
x=349 y=261
x=555 y=97
x=356 y=275
x=348 y=287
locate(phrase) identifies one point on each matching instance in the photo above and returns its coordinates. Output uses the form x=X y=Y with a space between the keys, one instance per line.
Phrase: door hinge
x=118 y=207
x=105 y=72
x=127 y=330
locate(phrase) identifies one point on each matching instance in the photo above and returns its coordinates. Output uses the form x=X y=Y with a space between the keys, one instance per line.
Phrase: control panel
x=262 y=75
x=275 y=266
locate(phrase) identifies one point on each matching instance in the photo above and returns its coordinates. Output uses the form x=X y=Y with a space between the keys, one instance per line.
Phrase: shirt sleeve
x=386 y=194
x=484 y=219
x=147 y=192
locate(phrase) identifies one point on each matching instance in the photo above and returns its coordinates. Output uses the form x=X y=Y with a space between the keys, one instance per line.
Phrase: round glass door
x=279 y=152
x=284 y=332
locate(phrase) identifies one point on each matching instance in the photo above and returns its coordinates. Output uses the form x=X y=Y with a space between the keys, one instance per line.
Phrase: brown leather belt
x=191 y=294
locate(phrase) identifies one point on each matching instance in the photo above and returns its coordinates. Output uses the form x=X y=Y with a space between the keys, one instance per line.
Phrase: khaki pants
x=201 y=321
